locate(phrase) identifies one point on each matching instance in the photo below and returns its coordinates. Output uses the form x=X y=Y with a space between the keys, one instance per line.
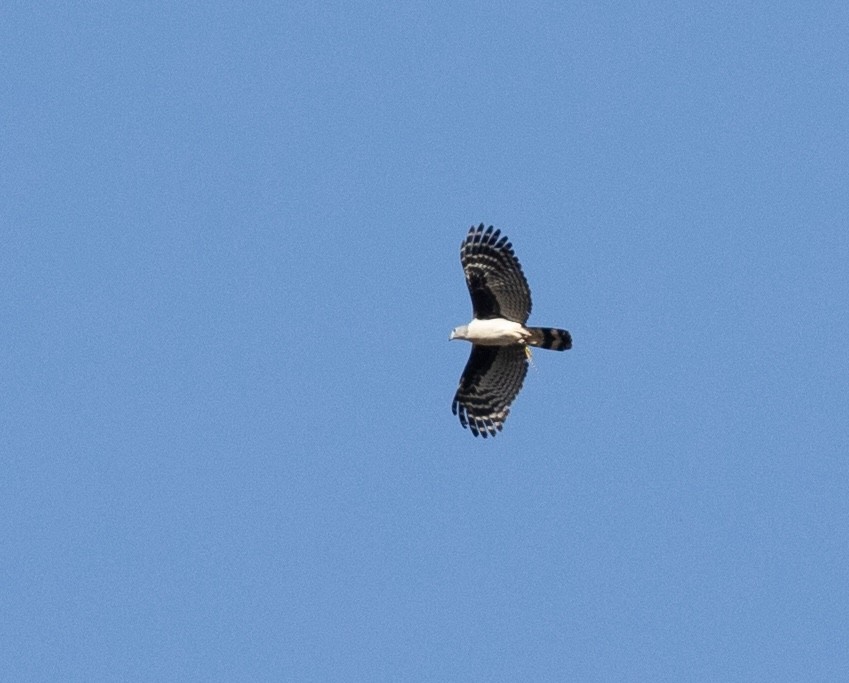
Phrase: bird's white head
x=461 y=332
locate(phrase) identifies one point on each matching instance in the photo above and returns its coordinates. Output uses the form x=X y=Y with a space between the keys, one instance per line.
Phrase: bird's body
x=503 y=332
x=501 y=300
x=492 y=332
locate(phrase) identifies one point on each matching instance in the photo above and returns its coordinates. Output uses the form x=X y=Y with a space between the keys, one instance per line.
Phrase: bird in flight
x=501 y=303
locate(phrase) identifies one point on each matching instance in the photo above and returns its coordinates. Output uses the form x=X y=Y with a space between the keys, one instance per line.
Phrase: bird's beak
x=451 y=336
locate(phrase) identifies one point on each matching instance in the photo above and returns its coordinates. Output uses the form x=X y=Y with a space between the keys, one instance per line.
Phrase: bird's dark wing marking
x=496 y=283
x=491 y=380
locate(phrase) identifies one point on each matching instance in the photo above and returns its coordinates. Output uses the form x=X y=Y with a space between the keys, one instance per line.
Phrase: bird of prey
x=501 y=303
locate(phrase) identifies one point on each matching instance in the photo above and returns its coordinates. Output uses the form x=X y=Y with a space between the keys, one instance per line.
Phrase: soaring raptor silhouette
x=501 y=303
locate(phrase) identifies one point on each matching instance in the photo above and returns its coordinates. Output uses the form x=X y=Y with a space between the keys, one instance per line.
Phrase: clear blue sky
x=229 y=242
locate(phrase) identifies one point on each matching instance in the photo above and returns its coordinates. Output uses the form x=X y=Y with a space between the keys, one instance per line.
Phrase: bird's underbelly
x=496 y=332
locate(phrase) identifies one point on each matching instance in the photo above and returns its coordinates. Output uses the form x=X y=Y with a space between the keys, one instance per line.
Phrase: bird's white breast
x=496 y=332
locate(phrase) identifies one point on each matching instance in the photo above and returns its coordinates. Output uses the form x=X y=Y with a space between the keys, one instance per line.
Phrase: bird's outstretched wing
x=491 y=380
x=495 y=279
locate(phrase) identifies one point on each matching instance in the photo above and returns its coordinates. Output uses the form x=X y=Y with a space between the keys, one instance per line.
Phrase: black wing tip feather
x=479 y=426
x=481 y=236
x=491 y=241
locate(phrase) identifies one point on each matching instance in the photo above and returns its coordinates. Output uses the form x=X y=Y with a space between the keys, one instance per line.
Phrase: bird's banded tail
x=550 y=338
